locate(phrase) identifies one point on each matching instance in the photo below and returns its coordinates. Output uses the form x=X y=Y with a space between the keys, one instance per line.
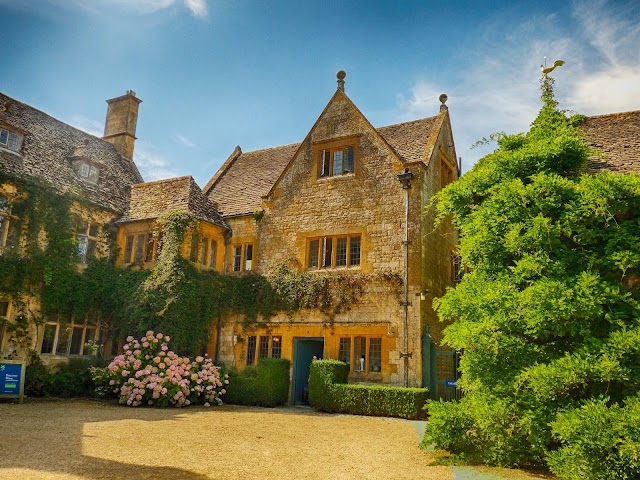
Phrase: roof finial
x=443 y=99
x=340 y=75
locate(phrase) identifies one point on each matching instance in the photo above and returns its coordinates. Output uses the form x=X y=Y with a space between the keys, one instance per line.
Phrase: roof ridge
x=627 y=112
x=272 y=148
x=163 y=180
x=408 y=122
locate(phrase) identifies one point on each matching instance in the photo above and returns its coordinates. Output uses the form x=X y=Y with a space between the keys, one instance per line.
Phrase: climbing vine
x=174 y=297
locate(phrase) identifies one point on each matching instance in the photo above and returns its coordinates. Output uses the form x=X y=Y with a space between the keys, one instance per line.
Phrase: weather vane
x=546 y=70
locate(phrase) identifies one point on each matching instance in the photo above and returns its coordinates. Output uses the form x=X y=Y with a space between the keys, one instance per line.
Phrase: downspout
x=227 y=242
x=405 y=178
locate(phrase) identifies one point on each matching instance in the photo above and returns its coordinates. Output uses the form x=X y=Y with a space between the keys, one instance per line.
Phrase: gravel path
x=83 y=439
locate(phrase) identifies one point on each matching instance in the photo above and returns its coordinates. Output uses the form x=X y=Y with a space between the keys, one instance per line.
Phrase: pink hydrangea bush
x=148 y=373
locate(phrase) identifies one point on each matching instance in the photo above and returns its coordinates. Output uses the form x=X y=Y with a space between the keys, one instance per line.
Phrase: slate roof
x=152 y=199
x=240 y=184
x=47 y=146
x=617 y=136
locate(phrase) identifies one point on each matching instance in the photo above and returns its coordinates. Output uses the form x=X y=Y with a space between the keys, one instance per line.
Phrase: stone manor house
x=347 y=200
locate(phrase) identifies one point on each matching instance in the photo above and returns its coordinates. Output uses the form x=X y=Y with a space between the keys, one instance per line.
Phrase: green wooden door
x=304 y=349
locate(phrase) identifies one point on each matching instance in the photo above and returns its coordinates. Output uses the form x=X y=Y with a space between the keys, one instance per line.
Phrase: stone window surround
x=87 y=240
x=322 y=245
x=11 y=135
x=140 y=247
x=87 y=331
x=239 y=260
x=371 y=365
x=5 y=220
x=325 y=170
x=263 y=346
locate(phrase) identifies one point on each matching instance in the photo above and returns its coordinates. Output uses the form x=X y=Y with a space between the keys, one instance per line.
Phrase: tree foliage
x=548 y=318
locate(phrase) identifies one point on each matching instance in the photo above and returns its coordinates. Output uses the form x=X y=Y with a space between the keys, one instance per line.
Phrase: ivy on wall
x=174 y=297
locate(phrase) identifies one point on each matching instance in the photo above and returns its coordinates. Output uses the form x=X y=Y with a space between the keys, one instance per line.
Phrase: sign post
x=12 y=379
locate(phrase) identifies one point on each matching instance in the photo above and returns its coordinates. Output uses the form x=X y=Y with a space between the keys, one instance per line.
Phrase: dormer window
x=89 y=173
x=10 y=140
x=337 y=161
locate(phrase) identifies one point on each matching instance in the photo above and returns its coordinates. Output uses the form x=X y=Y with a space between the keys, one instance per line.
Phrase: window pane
x=91 y=250
x=248 y=257
x=193 y=256
x=276 y=347
x=237 y=258
x=64 y=336
x=251 y=350
x=15 y=140
x=354 y=257
x=326 y=163
x=337 y=162
x=4 y=136
x=140 y=241
x=82 y=248
x=314 y=245
x=327 y=250
x=148 y=257
x=3 y=225
x=214 y=253
x=93 y=230
x=263 y=350
x=341 y=252
x=204 y=251
x=76 y=340
x=48 y=338
x=344 y=353
x=4 y=204
x=359 y=352
x=348 y=159
x=128 y=248
x=90 y=336
x=84 y=170
x=94 y=173
x=375 y=354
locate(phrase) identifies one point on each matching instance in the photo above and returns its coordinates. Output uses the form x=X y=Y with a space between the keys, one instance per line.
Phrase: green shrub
x=73 y=379
x=598 y=442
x=36 y=376
x=329 y=392
x=101 y=386
x=265 y=385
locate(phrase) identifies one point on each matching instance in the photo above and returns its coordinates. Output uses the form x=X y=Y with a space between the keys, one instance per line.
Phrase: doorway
x=304 y=349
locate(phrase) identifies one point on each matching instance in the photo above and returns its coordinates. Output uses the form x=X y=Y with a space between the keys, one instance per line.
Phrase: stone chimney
x=120 y=126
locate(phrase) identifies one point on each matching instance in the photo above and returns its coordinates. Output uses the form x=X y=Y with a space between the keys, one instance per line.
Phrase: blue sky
x=213 y=74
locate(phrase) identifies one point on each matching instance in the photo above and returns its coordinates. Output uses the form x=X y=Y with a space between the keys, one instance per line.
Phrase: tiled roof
x=409 y=139
x=617 y=137
x=245 y=178
x=47 y=146
x=153 y=199
x=248 y=178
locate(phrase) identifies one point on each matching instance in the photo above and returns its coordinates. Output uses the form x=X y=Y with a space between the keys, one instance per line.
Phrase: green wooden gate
x=440 y=370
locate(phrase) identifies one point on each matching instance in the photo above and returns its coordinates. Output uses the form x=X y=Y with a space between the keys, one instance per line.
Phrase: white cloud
x=198 y=8
x=184 y=141
x=151 y=163
x=498 y=91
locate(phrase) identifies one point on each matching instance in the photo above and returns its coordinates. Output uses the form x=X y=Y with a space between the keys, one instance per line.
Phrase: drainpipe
x=405 y=178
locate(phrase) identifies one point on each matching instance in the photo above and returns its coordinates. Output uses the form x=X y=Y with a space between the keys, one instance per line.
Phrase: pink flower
x=129 y=338
x=159 y=336
x=149 y=333
x=199 y=359
x=145 y=344
x=206 y=404
x=164 y=348
x=167 y=338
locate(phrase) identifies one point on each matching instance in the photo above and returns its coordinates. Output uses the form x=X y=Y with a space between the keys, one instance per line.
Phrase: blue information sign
x=451 y=383
x=11 y=378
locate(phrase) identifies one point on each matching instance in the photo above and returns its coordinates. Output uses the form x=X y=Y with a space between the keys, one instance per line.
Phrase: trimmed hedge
x=329 y=392
x=265 y=385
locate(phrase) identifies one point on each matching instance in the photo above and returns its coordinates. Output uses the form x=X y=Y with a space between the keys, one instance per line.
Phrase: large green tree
x=548 y=319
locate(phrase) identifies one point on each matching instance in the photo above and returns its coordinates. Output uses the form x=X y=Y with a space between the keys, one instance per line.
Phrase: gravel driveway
x=83 y=439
